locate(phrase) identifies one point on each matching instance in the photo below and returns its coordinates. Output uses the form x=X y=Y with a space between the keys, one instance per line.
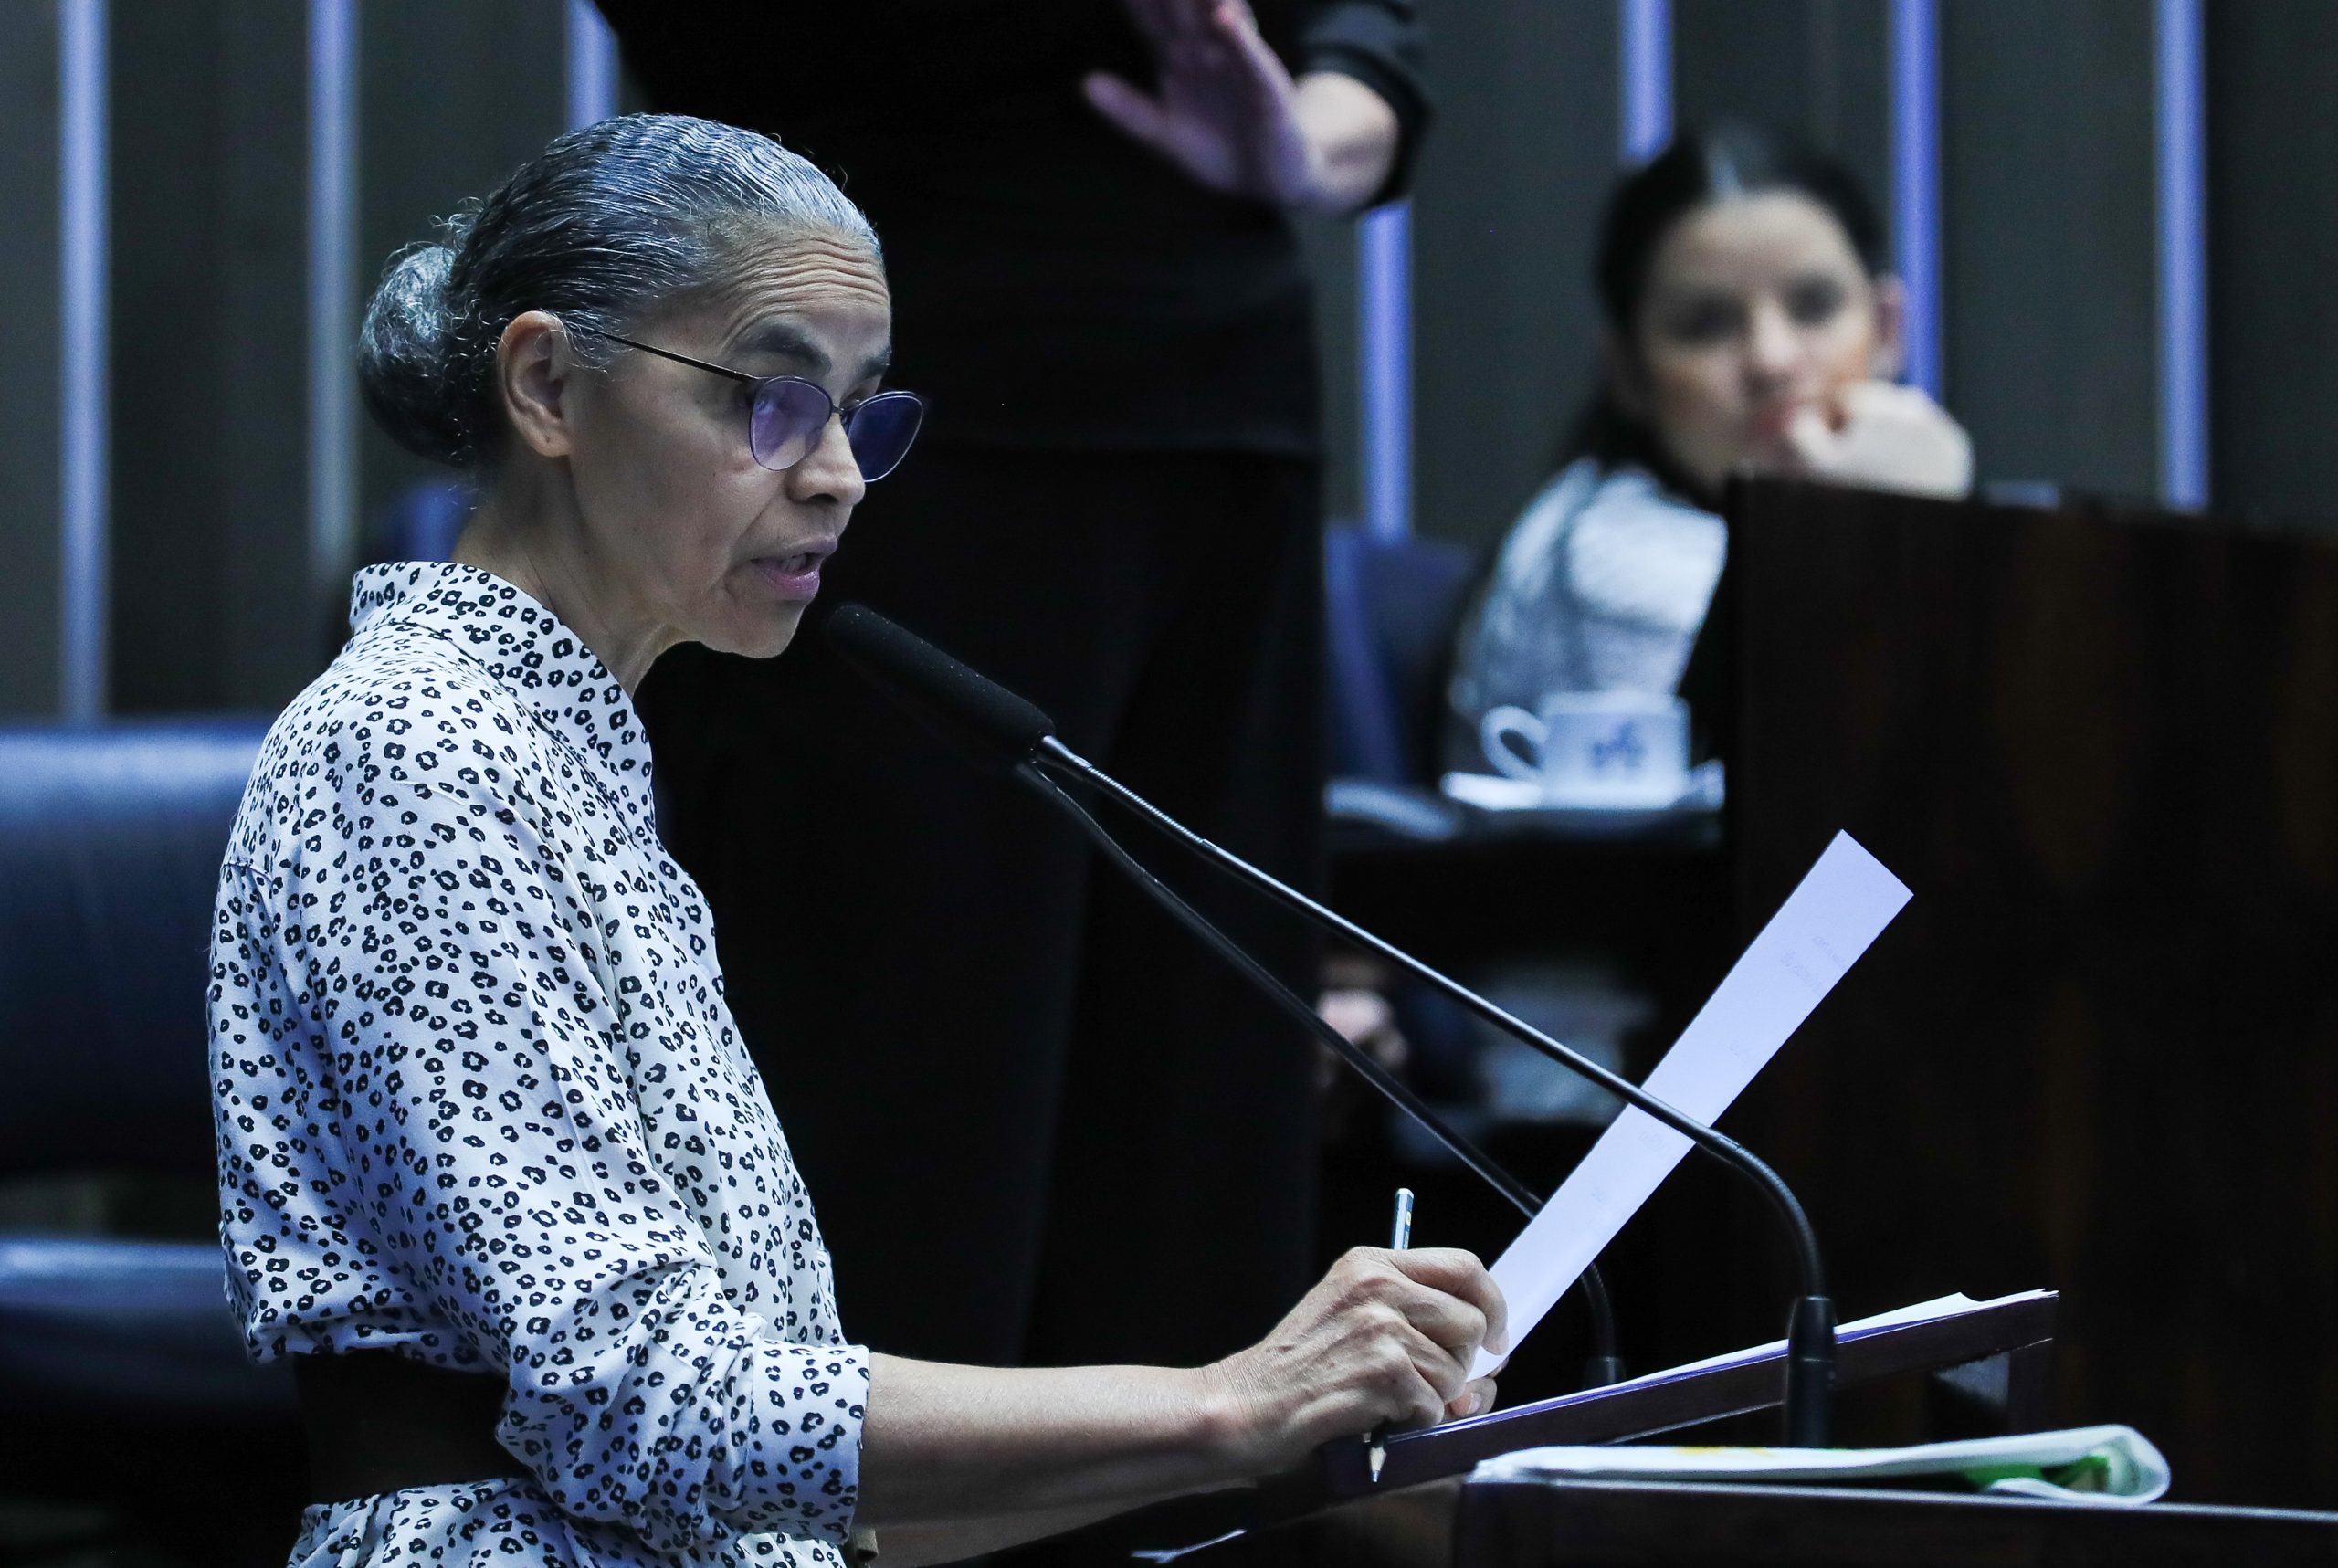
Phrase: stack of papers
x=2115 y=1465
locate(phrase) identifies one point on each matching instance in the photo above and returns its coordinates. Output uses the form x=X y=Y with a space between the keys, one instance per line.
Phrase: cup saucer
x=1495 y=792
x=1631 y=794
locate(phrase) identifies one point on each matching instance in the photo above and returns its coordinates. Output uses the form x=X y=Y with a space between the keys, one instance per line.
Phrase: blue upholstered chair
x=1391 y=608
x=110 y=845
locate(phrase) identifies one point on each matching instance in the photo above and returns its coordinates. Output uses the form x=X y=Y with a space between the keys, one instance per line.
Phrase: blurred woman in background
x=1749 y=322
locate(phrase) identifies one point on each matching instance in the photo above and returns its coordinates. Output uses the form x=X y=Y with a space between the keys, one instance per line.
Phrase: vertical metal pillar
x=2179 y=116
x=592 y=64
x=332 y=297
x=84 y=385
x=1915 y=181
x=1644 y=88
x=1384 y=332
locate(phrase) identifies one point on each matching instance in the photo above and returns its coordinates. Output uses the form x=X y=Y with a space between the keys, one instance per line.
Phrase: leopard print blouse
x=479 y=1102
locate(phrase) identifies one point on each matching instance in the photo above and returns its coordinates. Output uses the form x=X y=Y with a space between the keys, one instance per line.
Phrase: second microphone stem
x=1810 y=1380
x=1605 y=1366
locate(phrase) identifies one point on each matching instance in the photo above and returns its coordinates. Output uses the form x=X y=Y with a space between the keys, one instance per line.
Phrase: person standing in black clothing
x=1099 y=1145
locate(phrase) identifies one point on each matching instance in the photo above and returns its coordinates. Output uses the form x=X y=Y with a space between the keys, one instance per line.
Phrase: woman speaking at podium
x=495 y=1169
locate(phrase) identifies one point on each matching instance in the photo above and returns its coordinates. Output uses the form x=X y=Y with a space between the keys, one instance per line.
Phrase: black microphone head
x=967 y=707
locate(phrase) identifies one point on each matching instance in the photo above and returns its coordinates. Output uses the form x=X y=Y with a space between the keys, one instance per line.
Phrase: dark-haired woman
x=1749 y=321
x=494 y=1169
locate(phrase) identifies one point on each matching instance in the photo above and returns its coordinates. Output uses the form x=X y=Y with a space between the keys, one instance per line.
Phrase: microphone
x=1007 y=731
x=971 y=709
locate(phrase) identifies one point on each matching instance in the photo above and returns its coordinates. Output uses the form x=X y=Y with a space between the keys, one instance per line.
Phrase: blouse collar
x=522 y=645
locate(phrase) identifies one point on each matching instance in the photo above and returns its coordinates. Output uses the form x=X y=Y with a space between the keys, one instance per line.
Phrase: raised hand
x=1885 y=437
x=1230 y=116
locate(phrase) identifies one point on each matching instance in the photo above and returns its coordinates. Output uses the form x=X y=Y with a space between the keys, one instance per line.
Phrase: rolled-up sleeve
x=435 y=1096
x=1380 y=43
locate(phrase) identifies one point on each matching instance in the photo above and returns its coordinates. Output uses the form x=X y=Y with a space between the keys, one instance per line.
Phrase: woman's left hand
x=1231 y=117
x=1890 y=437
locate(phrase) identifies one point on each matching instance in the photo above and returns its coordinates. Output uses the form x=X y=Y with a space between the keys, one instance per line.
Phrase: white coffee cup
x=1594 y=748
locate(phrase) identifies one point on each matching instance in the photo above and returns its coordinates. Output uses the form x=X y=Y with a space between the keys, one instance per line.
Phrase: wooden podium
x=2099 y=1047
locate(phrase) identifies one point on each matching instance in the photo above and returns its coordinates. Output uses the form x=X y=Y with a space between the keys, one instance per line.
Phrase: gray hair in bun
x=605 y=224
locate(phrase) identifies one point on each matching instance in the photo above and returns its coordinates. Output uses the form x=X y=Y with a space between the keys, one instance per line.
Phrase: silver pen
x=1400 y=1236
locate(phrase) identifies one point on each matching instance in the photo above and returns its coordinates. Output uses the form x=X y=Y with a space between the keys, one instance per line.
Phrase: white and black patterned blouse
x=480 y=1103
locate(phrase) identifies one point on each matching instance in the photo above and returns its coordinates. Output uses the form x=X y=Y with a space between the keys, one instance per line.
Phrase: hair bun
x=403 y=352
x=609 y=220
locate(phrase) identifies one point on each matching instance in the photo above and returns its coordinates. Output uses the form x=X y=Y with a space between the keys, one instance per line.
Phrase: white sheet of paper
x=1843 y=903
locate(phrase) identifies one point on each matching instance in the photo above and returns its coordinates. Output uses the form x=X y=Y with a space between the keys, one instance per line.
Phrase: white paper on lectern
x=1843 y=903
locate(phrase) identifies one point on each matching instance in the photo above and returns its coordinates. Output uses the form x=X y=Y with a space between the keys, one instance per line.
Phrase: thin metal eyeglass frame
x=836 y=409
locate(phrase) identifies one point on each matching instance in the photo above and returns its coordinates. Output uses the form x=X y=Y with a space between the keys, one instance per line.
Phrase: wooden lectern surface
x=1621 y=1414
x=2100 y=1050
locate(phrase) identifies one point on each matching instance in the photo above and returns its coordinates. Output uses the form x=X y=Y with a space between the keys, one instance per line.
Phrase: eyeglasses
x=787 y=415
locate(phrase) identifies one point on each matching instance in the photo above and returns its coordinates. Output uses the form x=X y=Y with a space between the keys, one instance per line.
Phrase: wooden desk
x=2100 y=1050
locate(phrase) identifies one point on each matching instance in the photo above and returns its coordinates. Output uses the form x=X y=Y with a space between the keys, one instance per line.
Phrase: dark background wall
x=2272 y=66
x=1820 y=67
x=1508 y=195
x=453 y=96
x=2047 y=267
x=212 y=604
x=209 y=179
x=2049 y=263
x=29 y=366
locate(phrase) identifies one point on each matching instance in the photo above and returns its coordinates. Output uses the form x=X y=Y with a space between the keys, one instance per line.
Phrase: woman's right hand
x=957 y=1460
x=1886 y=437
x=1385 y=1336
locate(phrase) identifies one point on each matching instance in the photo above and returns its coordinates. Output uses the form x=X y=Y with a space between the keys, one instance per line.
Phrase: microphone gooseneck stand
x=1810 y=1329
x=995 y=726
x=1605 y=1366
x=996 y=723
